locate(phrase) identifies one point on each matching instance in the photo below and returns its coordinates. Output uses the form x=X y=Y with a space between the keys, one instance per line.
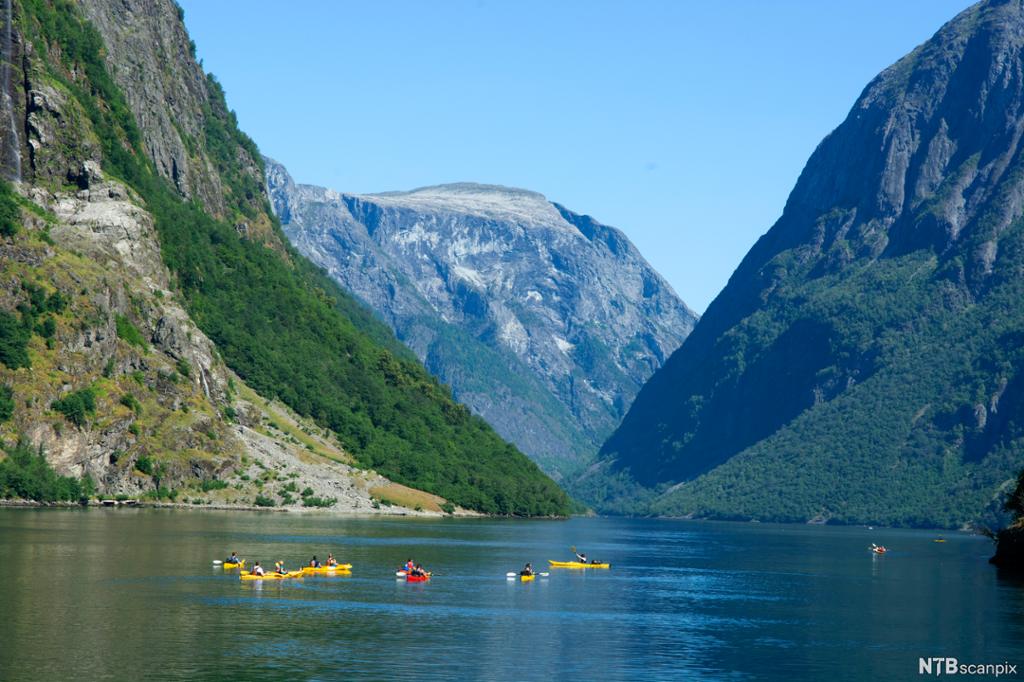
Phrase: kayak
x=527 y=578
x=271 y=576
x=575 y=564
x=417 y=578
x=340 y=568
x=227 y=564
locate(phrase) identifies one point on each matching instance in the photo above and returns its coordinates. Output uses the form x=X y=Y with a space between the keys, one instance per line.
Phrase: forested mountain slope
x=865 y=362
x=118 y=119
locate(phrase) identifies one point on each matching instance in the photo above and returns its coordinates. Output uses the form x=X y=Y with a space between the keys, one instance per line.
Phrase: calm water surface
x=129 y=594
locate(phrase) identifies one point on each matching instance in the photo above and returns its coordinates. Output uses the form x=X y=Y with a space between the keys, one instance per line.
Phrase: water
x=11 y=145
x=127 y=594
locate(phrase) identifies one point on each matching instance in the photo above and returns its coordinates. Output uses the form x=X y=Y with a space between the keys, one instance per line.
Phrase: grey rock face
x=543 y=321
x=150 y=56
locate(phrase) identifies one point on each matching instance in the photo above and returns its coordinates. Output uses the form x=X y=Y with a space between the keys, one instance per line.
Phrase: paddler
x=331 y=561
x=279 y=568
x=527 y=570
x=409 y=566
x=257 y=569
x=582 y=558
x=314 y=563
x=233 y=559
x=417 y=571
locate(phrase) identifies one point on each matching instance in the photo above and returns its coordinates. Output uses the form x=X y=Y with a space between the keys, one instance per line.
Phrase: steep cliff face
x=864 y=361
x=543 y=321
x=156 y=329
x=181 y=112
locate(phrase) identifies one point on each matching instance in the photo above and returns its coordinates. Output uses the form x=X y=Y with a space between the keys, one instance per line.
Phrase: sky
x=683 y=124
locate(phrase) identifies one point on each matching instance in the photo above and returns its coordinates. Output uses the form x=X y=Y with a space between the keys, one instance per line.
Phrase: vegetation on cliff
x=25 y=474
x=865 y=362
x=278 y=322
x=1010 y=540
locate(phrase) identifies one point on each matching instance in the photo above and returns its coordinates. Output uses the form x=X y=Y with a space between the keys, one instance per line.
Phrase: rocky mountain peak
x=489 y=202
x=883 y=307
x=568 y=315
x=929 y=142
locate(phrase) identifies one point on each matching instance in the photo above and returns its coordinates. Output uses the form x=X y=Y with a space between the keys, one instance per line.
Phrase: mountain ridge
x=871 y=328
x=544 y=321
x=118 y=113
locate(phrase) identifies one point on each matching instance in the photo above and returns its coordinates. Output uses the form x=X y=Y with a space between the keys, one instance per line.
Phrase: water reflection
x=131 y=593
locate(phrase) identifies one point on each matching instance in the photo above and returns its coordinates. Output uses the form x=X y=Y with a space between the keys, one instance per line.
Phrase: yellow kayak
x=527 y=578
x=270 y=575
x=228 y=564
x=328 y=570
x=575 y=564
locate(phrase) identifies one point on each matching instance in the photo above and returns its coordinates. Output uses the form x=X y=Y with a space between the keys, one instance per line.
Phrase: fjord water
x=128 y=594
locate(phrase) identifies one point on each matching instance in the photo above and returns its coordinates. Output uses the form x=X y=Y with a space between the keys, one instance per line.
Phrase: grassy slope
x=282 y=325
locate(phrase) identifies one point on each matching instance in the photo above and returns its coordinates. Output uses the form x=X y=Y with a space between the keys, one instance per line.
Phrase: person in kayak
x=314 y=563
x=279 y=567
x=527 y=570
x=257 y=569
x=233 y=559
x=331 y=561
x=409 y=566
x=417 y=571
x=582 y=558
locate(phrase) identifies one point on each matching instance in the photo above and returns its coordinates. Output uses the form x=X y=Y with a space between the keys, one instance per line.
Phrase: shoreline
x=965 y=528
x=149 y=504
x=460 y=513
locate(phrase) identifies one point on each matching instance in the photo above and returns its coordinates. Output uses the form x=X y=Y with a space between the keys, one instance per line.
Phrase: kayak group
x=411 y=571
x=330 y=566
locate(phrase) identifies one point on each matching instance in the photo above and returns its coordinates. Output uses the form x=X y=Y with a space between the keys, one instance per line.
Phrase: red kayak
x=417 y=578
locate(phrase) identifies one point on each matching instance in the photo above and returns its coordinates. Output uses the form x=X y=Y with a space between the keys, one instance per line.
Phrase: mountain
x=865 y=362
x=157 y=331
x=543 y=321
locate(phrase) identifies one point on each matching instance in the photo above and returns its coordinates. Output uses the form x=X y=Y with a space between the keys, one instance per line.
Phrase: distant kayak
x=327 y=570
x=271 y=576
x=228 y=564
x=417 y=578
x=527 y=578
x=576 y=564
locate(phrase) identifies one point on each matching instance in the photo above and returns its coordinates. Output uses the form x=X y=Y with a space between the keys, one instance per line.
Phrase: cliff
x=864 y=363
x=162 y=334
x=545 y=322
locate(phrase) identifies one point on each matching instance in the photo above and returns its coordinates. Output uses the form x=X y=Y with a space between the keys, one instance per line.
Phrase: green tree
x=77 y=406
x=10 y=214
x=14 y=339
x=6 y=402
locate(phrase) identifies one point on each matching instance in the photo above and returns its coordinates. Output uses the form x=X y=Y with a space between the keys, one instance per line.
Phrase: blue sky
x=684 y=124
